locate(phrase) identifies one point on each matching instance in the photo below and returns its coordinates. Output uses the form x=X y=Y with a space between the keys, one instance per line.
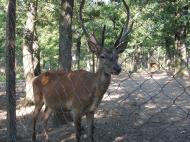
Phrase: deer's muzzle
x=116 y=69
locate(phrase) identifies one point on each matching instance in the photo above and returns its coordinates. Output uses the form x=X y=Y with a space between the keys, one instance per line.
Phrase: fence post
x=10 y=71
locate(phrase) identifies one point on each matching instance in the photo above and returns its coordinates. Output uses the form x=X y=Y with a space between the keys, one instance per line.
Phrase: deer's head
x=108 y=57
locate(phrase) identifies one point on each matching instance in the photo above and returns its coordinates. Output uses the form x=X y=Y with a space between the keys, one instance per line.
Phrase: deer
x=80 y=91
x=153 y=67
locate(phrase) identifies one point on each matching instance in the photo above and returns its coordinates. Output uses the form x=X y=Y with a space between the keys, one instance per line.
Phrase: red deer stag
x=80 y=91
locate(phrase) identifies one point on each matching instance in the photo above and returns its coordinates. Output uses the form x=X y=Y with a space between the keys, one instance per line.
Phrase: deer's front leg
x=90 y=123
x=77 y=122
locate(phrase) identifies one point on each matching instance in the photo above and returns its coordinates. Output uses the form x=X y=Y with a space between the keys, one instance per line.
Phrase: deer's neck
x=102 y=82
x=101 y=85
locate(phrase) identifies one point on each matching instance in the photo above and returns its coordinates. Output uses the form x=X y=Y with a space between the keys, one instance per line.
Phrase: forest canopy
x=160 y=30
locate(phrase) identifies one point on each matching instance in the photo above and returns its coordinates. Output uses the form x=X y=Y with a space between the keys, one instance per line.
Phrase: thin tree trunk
x=30 y=47
x=169 y=53
x=136 y=59
x=78 y=51
x=10 y=71
x=93 y=62
x=65 y=34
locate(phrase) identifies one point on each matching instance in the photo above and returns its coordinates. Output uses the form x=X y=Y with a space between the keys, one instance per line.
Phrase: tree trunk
x=30 y=47
x=65 y=34
x=10 y=71
x=37 y=69
x=169 y=53
x=78 y=51
x=93 y=63
x=136 y=59
x=180 y=37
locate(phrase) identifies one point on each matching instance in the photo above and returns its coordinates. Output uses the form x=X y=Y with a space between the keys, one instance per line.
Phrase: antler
x=121 y=42
x=92 y=41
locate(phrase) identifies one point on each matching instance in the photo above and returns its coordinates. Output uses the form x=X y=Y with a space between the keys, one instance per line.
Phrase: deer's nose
x=117 y=68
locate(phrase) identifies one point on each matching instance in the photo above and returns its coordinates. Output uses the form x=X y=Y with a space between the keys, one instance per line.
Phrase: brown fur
x=58 y=88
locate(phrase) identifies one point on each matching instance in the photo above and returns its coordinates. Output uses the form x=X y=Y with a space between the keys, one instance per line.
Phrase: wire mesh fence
x=137 y=107
x=150 y=104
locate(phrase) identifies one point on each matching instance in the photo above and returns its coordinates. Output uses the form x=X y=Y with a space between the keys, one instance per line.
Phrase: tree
x=10 y=71
x=30 y=61
x=65 y=33
x=180 y=41
x=78 y=48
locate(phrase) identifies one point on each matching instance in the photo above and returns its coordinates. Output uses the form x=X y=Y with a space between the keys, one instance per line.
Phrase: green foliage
x=155 y=21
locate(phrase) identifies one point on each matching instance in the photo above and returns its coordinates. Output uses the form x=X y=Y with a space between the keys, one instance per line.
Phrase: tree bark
x=136 y=59
x=169 y=52
x=65 y=34
x=30 y=61
x=37 y=69
x=78 y=51
x=180 y=37
x=10 y=71
x=93 y=63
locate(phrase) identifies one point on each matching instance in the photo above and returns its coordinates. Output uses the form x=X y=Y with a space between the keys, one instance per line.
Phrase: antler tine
x=126 y=30
x=128 y=15
x=81 y=19
x=125 y=34
x=118 y=39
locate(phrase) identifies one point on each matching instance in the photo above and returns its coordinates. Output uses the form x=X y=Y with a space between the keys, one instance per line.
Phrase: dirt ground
x=136 y=107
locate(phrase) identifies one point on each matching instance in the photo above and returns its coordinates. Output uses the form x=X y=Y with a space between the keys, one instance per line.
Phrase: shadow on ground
x=142 y=108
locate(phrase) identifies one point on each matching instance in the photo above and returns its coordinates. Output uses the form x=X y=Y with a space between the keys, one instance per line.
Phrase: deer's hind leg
x=47 y=113
x=38 y=107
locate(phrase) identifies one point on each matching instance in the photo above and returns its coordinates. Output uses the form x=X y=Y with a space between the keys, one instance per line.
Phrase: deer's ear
x=94 y=45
